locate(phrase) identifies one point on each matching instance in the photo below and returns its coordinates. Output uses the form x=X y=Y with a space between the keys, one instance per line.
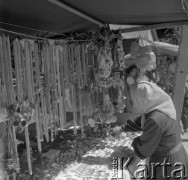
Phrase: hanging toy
x=143 y=57
x=120 y=53
x=108 y=108
x=105 y=63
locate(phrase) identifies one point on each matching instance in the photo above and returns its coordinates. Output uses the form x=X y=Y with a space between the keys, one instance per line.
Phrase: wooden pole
x=154 y=35
x=181 y=73
x=154 y=26
x=161 y=48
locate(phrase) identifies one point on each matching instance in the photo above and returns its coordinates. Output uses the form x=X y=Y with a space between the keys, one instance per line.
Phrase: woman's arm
x=146 y=144
x=131 y=126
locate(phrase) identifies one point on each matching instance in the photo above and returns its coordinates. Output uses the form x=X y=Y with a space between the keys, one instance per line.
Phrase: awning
x=46 y=16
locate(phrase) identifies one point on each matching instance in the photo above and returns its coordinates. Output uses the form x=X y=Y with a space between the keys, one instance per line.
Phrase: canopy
x=51 y=15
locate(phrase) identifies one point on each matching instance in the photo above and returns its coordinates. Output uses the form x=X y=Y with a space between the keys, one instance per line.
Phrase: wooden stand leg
x=3 y=153
x=181 y=73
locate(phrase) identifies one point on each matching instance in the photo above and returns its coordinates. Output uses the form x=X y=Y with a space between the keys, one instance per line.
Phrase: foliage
x=170 y=35
x=165 y=63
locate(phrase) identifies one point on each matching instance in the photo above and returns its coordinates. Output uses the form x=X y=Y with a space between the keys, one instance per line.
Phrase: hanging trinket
x=3 y=115
x=22 y=113
x=108 y=108
x=120 y=53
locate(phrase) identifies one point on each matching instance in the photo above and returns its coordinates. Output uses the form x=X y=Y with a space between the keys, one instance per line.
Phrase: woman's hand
x=116 y=131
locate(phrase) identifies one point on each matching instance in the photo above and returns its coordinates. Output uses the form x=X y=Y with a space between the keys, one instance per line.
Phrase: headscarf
x=147 y=96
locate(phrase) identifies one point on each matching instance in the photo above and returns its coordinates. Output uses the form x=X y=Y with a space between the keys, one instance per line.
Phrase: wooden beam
x=161 y=48
x=154 y=35
x=78 y=12
x=154 y=26
x=181 y=73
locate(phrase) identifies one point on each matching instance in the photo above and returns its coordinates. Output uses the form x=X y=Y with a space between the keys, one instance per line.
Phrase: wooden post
x=181 y=73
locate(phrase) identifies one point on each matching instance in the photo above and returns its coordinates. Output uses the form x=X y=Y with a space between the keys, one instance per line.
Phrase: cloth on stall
x=2 y=95
x=160 y=140
x=68 y=100
x=87 y=104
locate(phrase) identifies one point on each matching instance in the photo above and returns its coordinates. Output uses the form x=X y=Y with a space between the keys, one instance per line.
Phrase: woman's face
x=186 y=101
x=133 y=73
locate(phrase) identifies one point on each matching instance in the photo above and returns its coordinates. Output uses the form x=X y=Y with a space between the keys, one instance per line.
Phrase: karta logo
x=134 y=169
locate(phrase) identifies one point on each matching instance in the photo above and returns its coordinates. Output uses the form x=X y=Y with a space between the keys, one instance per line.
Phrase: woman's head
x=146 y=97
x=186 y=97
x=132 y=71
x=186 y=101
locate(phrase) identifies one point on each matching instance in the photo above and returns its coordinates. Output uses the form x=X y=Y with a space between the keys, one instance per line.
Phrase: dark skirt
x=174 y=166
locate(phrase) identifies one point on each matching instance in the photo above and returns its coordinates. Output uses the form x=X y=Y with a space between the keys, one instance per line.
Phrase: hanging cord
x=66 y=37
x=21 y=34
x=39 y=30
x=40 y=38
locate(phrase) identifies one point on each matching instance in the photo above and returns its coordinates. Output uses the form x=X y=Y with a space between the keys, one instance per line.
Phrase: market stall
x=42 y=80
x=47 y=72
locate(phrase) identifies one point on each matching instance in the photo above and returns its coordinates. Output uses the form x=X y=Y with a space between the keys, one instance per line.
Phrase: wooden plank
x=154 y=35
x=181 y=73
x=161 y=48
x=154 y=26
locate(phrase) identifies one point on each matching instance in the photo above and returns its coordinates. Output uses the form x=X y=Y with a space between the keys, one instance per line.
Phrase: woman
x=132 y=74
x=160 y=140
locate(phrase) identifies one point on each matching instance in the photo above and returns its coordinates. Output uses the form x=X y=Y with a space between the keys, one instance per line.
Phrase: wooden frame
x=154 y=26
x=181 y=73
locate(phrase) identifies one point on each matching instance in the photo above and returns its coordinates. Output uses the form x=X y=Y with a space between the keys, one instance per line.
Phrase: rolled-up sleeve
x=146 y=144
